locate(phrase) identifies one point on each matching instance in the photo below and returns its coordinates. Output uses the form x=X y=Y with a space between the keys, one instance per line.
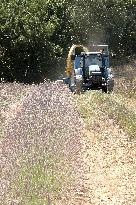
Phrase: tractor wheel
x=104 y=89
x=78 y=87
x=109 y=87
x=75 y=84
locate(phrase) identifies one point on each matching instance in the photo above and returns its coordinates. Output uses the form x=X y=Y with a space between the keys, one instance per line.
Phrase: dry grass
x=119 y=106
x=126 y=81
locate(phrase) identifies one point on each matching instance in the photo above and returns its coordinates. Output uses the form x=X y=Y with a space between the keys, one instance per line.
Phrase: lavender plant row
x=40 y=125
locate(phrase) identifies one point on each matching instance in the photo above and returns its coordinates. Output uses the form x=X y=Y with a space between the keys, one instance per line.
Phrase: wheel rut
x=107 y=176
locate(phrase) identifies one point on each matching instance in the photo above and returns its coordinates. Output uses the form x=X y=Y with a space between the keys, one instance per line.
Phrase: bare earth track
x=108 y=176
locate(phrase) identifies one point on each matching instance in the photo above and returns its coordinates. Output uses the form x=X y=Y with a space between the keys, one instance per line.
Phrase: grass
x=98 y=105
x=119 y=105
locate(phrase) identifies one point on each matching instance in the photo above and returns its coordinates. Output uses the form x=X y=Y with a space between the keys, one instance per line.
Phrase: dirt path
x=108 y=174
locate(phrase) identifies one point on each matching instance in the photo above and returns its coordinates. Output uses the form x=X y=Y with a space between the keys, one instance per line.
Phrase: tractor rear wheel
x=75 y=83
x=108 y=88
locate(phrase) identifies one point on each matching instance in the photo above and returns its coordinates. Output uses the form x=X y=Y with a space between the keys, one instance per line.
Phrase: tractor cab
x=94 y=63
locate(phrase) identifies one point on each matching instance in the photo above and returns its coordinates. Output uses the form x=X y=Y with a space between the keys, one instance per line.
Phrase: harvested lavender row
x=45 y=129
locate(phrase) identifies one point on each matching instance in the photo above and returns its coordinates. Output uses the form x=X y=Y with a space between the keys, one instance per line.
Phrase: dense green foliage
x=35 y=34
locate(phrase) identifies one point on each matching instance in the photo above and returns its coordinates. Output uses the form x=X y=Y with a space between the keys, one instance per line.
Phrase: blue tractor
x=89 y=70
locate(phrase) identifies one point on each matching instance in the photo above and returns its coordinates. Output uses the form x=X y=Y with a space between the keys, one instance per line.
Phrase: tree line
x=35 y=35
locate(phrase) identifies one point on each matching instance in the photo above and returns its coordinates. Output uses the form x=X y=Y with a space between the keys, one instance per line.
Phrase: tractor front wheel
x=79 y=85
x=104 y=89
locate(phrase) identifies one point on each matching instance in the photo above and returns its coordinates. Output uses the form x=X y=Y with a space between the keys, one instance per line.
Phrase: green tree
x=33 y=35
x=36 y=34
x=114 y=22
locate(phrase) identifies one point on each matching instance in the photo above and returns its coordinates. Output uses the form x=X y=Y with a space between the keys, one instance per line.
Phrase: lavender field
x=57 y=148
x=40 y=139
